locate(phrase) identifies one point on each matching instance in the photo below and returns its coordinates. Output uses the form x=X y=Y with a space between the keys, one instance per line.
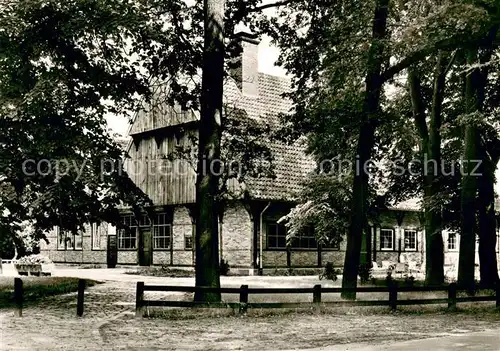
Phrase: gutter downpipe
x=261 y=237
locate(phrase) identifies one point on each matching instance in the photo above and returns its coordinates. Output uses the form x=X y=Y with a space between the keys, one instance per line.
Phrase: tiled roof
x=291 y=165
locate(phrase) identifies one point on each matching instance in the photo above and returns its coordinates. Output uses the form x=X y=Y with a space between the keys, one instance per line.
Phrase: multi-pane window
x=162 y=232
x=305 y=239
x=161 y=236
x=452 y=241
x=161 y=228
x=410 y=237
x=67 y=240
x=386 y=239
x=276 y=236
x=127 y=238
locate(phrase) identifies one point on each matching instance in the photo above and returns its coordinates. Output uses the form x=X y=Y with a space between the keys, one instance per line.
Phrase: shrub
x=34 y=259
x=365 y=273
x=329 y=272
x=224 y=267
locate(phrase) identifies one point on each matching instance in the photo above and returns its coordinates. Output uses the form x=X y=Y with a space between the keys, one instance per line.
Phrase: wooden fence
x=317 y=291
x=19 y=297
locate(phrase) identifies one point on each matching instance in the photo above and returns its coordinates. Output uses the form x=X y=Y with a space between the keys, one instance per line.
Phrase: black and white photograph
x=262 y=175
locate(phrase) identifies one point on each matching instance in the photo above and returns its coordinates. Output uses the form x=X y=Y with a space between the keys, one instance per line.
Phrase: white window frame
x=96 y=234
x=166 y=235
x=69 y=236
x=75 y=237
x=60 y=246
x=132 y=234
x=416 y=239
x=455 y=235
x=392 y=240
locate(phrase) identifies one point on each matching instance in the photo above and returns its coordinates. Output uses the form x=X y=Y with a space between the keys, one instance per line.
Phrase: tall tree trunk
x=488 y=266
x=210 y=130
x=466 y=262
x=434 y=256
x=474 y=97
x=364 y=149
x=489 y=156
x=430 y=146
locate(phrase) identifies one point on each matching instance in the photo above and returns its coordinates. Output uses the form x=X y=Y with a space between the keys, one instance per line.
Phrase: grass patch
x=484 y=311
x=35 y=288
x=163 y=271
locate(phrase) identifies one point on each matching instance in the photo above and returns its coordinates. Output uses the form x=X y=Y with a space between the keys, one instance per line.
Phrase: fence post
x=18 y=297
x=139 y=299
x=317 y=294
x=452 y=295
x=497 y=293
x=81 y=292
x=243 y=298
x=393 y=296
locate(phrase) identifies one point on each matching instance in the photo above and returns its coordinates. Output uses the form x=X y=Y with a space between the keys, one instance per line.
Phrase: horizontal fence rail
x=244 y=291
x=18 y=297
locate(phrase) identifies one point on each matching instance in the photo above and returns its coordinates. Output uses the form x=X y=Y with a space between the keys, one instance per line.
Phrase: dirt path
x=291 y=332
x=109 y=323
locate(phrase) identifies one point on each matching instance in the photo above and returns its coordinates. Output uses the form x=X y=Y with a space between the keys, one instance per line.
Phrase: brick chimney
x=246 y=67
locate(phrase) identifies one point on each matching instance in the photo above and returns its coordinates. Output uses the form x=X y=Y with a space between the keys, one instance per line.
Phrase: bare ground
x=109 y=324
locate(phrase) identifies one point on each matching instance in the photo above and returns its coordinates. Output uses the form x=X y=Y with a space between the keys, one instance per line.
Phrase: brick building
x=168 y=240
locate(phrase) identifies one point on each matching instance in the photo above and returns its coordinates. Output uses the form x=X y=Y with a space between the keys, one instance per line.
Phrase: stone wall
x=237 y=236
x=127 y=257
x=161 y=258
x=399 y=221
x=336 y=257
x=302 y=258
x=88 y=254
x=182 y=228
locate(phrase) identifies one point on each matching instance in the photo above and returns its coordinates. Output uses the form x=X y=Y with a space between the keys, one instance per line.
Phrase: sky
x=268 y=55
